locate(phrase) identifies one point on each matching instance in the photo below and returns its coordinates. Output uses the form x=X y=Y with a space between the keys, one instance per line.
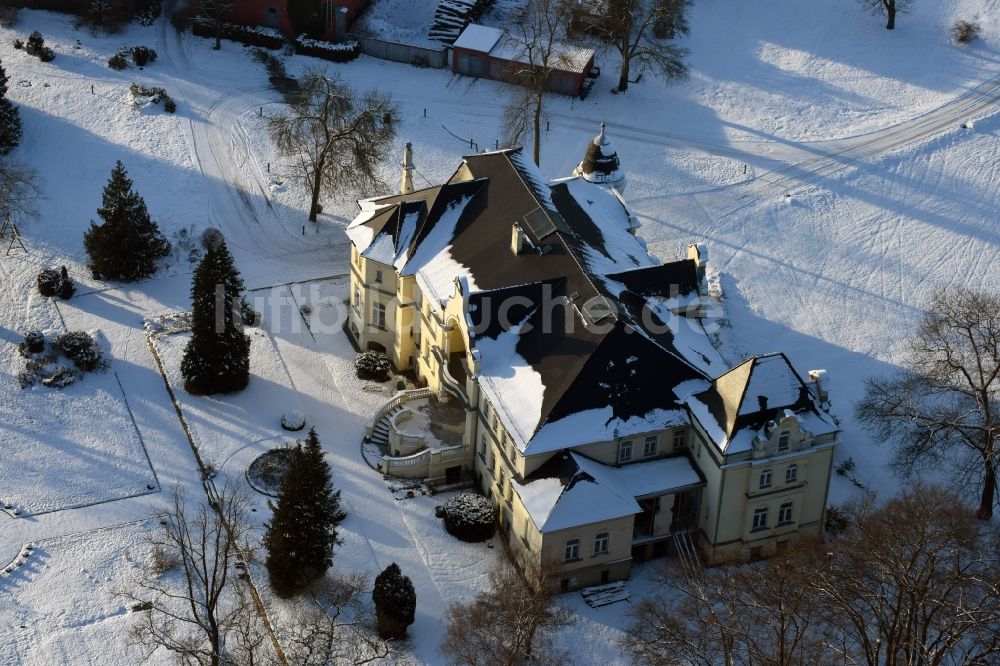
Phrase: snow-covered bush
x=335 y=52
x=142 y=95
x=46 y=54
x=269 y=38
x=148 y=14
x=141 y=55
x=52 y=282
x=44 y=368
x=81 y=348
x=470 y=517
x=964 y=32
x=118 y=61
x=294 y=420
x=395 y=602
x=374 y=366
x=18 y=43
x=35 y=43
x=33 y=343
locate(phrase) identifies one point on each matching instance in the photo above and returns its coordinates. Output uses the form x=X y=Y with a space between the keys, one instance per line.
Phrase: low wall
x=397 y=52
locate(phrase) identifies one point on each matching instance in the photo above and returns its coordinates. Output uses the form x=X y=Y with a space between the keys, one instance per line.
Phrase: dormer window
x=765 y=479
x=378 y=276
x=783 y=441
x=625 y=451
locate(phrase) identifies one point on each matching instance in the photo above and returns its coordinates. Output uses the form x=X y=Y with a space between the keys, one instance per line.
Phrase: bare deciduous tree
x=887 y=8
x=338 y=629
x=535 y=33
x=641 y=30
x=337 y=136
x=914 y=581
x=197 y=612
x=945 y=407
x=507 y=625
x=214 y=14
x=19 y=189
x=750 y=614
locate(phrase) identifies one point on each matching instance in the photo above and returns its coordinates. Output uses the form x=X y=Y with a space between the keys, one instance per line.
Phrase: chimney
x=699 y=252
x=762 y=400
x=407 y=185
x=516 y=239
x=818 y=379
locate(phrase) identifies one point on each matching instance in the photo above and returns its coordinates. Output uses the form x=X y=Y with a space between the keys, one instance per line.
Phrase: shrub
x=33 y=343
x=154 y=95
x=964 y=32
x=335 y=52
x=374 y=366
x=35 y=43
x=395 y=602
x=148 y=15
x=269 y=38
x=10 y=126
x=169 y=105
x=211 y=237
x=66 y=286
x=470 y=517
x=81 y=348
x=46 y=54
x=118 y=62
x=141 y=55
x=18 y=43
x=48 y=282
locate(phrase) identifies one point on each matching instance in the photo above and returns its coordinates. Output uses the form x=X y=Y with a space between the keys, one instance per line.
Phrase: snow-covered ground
x=890 y=200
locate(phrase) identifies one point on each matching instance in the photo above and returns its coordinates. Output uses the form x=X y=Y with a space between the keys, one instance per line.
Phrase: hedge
x=335 y=52
x=251 y=36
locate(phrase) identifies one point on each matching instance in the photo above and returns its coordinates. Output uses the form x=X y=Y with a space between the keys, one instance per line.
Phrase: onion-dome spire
x=600 y=163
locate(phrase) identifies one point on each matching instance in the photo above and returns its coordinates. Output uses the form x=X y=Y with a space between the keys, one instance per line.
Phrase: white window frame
x=357 y=297
x=571 y=552
x=680 y=440
x=792 y=473
x=759 y=519
x=765 y=480
x=602 y=543
x=378 y=312
x=624 y=450
x=650 y=446
x=784 y=440
x=785 y=514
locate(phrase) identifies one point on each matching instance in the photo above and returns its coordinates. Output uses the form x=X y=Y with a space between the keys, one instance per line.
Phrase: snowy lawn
x=46 y=429
x=63 y=606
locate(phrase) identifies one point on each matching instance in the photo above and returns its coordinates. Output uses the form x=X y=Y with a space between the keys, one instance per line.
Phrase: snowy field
x=890 y=200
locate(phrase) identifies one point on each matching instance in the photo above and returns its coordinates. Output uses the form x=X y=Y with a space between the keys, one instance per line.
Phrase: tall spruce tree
x=217 y=358
x=10 y=119
x=303 y=527
x=128 y=245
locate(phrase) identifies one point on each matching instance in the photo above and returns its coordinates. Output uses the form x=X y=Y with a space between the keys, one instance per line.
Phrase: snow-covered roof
x=579 y=491
x=735 y=409
x=477 y=37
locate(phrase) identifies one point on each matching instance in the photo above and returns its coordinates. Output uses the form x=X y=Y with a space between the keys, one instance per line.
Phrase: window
x=378 y=316
x=601 y=542
x=680 y=440
x=783 y=441
x=760 y=519
x=792 y=473
x=500 y=479
x=765 y=479
x=572 y=551
x=649 y=447
x=378 y=276
x=625 y=450
x=482 y=447
x=357 y=297
x=785 y=514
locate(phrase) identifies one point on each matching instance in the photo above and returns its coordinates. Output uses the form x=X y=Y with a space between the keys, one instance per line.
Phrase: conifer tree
x=303 y=527
x=217 y=357
x=395 y=602
x=127 y=246
x=10 y=119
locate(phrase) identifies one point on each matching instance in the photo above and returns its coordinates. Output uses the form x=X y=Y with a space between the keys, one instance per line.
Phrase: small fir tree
x=217 y=357
x=395 y=602
x=303 y=528
x=128 y=245
x=4 y=80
